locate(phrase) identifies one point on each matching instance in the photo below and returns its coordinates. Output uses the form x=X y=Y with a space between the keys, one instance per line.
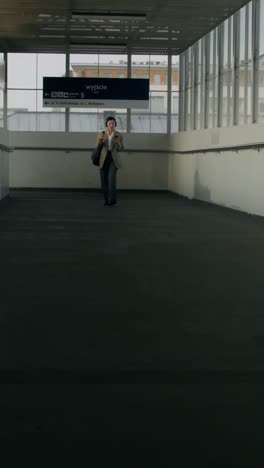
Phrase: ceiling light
x=109 y=15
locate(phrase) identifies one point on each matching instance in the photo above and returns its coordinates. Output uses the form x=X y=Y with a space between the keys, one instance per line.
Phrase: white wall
x=4 y=165
x=74 y=169
x=231 y=179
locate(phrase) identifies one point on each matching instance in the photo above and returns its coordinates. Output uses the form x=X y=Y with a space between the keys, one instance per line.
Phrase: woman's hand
x=102 y=136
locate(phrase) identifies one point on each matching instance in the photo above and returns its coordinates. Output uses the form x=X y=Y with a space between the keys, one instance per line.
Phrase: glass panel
x=140 y=123
x=200 y=61
x=140 y=66
x=212 y=122
x=226 y=45
x=199 y=121
x=261 y=91
x=241 y=102
x=175 y=73
x=49 y=65
x=154 y=67
x=1 y=108
x=50 y=121
x=242 y=43
x=261 y=29
x=86 y=121
x=22 y=110
x=158 y=68
x=49 y=118
x=248 y=96
x=94 y=120
x=175 y=112
x=158 y=102
x=110 y=66
x=190 y=67
x=22 y=71
x=22 y=100
x=140 y=120
x=2 y=71
x=213 y=68
x=93 y=66
x=84 y=65
x=231 y=43
x=158 y=123
x=228 y=99
x=189 y=110
x=249 y=6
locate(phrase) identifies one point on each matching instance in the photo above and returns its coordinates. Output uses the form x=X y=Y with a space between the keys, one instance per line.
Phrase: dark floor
x=130 y=335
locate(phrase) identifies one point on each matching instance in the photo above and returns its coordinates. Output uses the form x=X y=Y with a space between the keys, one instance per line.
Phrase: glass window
x=91 y=119
x=22 y=107
x=242 y=38
x=175 y=73
x=22 y=71
x=156 y=79
x=112 y=65
x=158 y=102
x=261 y=30
x=249 y=51
x=49 y=65
x=24 y=95
x=2 y=71
x=25 y=105
x=1 y=108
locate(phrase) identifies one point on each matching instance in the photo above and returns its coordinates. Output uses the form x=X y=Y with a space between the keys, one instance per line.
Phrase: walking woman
x=109 y=159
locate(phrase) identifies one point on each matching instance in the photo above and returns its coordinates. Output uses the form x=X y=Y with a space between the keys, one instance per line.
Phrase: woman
x=109 y=159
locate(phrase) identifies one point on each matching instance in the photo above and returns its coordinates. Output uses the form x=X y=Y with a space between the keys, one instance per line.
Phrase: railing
x=219 y=149
x=7 y=149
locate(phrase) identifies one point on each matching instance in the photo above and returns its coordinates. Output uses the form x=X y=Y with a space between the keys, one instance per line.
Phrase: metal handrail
x=218 y=149
x=7 y=149
x=68 y=149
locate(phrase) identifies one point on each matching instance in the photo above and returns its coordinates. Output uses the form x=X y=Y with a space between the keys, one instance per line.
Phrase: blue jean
x=108 y=178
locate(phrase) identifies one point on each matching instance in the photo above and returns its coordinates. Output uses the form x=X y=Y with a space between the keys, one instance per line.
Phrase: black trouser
x=108 y=178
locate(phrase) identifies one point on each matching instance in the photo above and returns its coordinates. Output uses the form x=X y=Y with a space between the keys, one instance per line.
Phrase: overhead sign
x=96 y=92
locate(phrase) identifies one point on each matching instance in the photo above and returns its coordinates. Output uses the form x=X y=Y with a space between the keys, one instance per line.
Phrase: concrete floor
x=130 y=335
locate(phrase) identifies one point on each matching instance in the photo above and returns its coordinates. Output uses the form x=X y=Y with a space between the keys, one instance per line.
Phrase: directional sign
x=96 y=92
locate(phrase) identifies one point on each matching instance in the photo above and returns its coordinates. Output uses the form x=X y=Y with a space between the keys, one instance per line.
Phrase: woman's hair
x=108 y=119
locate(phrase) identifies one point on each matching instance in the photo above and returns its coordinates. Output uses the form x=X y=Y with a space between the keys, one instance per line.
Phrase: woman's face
x=111 y=126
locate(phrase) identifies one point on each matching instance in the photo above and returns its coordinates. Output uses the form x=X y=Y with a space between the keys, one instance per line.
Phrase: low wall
x=63 y=161
x=232 y=179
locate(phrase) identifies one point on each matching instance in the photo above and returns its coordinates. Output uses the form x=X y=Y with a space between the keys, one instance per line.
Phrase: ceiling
x=169 y=25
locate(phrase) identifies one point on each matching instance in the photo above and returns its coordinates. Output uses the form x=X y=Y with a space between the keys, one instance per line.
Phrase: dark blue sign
x=95 y=92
